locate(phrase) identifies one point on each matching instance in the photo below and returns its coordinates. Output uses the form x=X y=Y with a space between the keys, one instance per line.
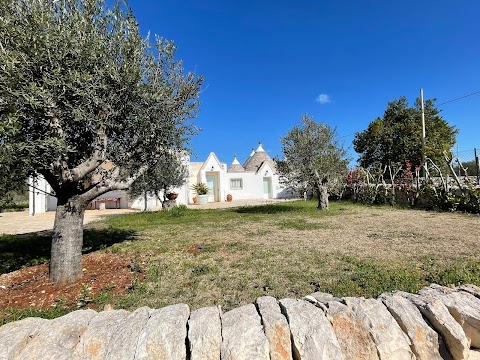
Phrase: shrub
x=200 y=188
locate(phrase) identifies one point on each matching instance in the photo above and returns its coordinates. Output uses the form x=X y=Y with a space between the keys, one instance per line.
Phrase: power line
x=462 y=97
x=344 y=136
x=446 y=102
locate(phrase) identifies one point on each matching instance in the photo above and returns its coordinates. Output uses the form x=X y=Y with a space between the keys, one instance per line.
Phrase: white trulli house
x=255 y=179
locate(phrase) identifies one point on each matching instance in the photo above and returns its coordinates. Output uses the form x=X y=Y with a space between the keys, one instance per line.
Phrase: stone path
x=436 y=323
x=21 y=222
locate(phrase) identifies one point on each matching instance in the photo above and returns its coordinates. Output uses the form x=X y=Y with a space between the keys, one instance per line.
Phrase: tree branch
x=111 y=182
x=448 y=160
x=444 y=182
x=50 y=178
x=89 y=165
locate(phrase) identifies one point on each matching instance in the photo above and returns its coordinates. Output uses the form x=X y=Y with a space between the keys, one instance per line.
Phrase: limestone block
x=205 y=334
x=425 y=341
x=464 y=307
x=436 y=289
x=243 y=336
x=436 y=312
x=471 y=289
x=323 y=297
x=355 y=341
x=392 y=343
x=164 y=334
x=276 y=328
x=124 y=341
x=95 y=342
x=312 y=334
x=474 y=354
x=15 y=336
x=315 y=302
x=59 y=337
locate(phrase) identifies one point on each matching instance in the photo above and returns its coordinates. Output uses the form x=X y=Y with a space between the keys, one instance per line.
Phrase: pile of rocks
x=436 y=323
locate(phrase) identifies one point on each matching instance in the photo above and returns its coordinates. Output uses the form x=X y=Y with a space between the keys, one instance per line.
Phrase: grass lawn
x=229 y=257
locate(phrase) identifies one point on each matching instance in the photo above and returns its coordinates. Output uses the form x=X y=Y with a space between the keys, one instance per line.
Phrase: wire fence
x=468 y=161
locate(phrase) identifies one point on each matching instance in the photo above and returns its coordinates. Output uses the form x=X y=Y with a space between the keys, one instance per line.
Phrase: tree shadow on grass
x=23 y=250
x=265 y=209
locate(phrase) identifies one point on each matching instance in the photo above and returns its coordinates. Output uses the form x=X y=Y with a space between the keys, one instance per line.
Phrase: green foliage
x=429 y=196
x=470 y=168
x=229 y=257
x=13 y=206
x=371 y=277
x=374 y=195
x=87 y=103
x=14 y=201
x=466 y=200
x=312 y=156
x=168 y=172
x=12 y=180
x=13 y=314
x=200 y=188
x=81 y=88
x=397 y=136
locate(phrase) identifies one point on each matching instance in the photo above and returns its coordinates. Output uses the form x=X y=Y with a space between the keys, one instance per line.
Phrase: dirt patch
x=103 y=273
x=196 y=249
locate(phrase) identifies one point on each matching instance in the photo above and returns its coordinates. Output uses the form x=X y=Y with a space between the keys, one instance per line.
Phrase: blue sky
x=266 y=63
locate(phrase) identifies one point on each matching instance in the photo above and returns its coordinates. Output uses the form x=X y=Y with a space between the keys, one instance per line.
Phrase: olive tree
x=312 y=158
x=90 y=105
x=168 y=172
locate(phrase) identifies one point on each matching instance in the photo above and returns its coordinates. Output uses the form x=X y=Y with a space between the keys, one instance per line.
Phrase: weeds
x=230 y=257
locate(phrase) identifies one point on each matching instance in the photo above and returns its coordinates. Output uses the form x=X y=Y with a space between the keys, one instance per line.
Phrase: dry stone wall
x=436 y=323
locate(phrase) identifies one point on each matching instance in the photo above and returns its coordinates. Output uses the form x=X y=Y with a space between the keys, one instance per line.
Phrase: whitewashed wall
x=37 y=200
x=139 y=203
x=252 y=188
x=253 y=185
x=193 y=178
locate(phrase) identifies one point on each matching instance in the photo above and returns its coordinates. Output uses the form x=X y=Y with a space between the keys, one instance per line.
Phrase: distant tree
x=12 y=178
x=89 y=104
x=312 y=158
x=168 y=172
x=9 y=186
x=468 y=168
x=397 y=136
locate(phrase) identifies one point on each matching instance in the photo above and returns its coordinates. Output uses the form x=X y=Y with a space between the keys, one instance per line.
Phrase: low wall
x=436 y=323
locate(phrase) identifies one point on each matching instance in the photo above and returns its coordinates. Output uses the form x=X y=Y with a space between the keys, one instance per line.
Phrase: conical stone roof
x=256 y=160
x=251 y=154
x=235 y=167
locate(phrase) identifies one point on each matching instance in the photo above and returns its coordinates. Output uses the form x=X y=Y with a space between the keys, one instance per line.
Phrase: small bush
x=428 y=196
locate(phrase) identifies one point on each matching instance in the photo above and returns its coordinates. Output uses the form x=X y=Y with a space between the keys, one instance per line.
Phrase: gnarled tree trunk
x=67 y=242
x=322 y=197
x=322 y=191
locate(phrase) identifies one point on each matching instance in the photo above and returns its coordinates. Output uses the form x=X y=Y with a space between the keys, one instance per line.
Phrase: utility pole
x=424 y=164
x=477 y=164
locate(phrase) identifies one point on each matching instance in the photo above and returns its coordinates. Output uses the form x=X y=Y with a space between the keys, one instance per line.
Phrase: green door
x=211 y=187
x=267 y=187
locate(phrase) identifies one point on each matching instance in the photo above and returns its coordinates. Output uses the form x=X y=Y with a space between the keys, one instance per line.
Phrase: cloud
x=324 y=99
